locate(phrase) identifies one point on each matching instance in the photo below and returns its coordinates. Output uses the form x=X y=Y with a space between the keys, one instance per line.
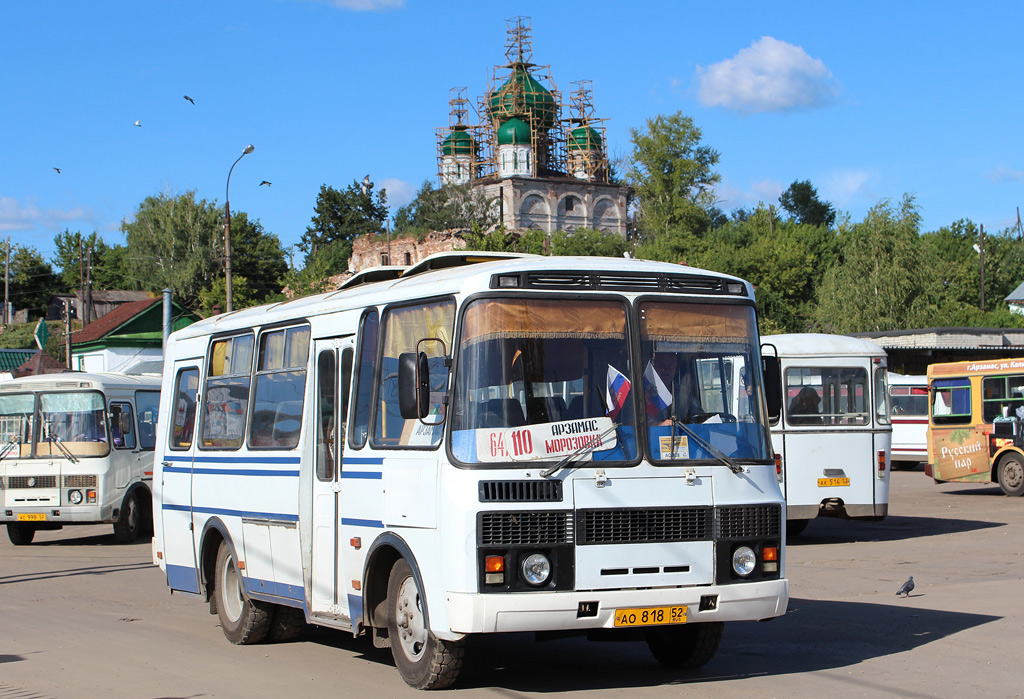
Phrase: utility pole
x=7 y=283
x=981 y=254
x=88 y=288
x=67 y=333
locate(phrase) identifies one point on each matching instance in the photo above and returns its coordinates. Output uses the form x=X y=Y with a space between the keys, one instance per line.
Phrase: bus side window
x=280 y=386
x=364 y=379
x=122 y=432
x=327 y=423
x=184 y=406
x=227 y=393
x=148 y=405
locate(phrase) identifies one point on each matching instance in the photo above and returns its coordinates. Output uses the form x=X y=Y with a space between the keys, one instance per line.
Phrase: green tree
x=883 y=280
x=344 y=215
x=449 y=207
x=586 y=241
x=314 y=278
x=673 y=177
x=256 y=256
x=76 y=252
x=32 y=281
x=802 y=203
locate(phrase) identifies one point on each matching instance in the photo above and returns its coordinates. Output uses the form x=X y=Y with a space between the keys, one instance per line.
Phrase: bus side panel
x=960 y=453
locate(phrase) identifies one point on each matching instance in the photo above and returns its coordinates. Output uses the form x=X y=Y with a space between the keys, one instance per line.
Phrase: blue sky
x=867 y=100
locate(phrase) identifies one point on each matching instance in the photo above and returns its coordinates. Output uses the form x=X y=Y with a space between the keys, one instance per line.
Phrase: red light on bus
x=881 y=464
x=769 y=553
x=494 y=564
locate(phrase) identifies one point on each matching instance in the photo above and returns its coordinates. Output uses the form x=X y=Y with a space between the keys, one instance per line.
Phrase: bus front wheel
x=130 y=523
x=423 y=660
x=244 y=621
x=1011 y=475
x=685 y=646
x=20 y=534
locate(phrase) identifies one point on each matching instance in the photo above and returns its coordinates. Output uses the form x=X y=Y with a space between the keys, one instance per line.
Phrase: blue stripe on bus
x=364 y=460
x=269 y=587
x=234 y=513
x=355 y=609
x=236 y=459
x=182 y=578
x=229 y=471
x=371 y=475
x=375 y=523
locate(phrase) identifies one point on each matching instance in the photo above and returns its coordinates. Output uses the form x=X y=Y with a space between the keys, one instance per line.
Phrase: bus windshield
x=701 y=381
x=540 y=379
x=69 y=423
x=16 y=424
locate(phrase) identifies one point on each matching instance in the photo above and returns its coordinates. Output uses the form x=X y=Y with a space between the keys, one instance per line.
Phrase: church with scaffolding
x=543 y=163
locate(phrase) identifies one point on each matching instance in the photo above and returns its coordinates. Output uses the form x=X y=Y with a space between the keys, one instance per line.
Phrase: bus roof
x=78 y=380
x=466 y=273
x=895 y=379
x=822 y=345
x=977 y=367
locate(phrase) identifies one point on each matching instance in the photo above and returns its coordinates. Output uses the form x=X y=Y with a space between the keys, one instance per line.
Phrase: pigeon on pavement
x=907 y=587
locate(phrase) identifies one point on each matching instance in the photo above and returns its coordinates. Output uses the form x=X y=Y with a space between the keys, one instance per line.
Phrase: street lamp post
x=227 y=232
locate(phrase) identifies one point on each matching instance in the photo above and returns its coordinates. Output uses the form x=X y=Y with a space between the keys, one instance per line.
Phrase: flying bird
x=138 y=122
x=190 y=99
x=264 y=182
x=57 y=170
x=907 y=587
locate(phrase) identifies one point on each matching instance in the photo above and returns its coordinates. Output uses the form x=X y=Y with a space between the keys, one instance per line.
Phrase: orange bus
x=975 y=418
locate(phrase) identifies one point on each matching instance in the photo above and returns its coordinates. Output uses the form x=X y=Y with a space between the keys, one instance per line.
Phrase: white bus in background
x=834 y=435
x=77 y=449
x=469 y=448
x=908 y=410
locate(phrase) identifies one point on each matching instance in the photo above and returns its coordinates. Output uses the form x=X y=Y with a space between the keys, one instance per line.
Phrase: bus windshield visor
x=542 y=379
x=701 y=382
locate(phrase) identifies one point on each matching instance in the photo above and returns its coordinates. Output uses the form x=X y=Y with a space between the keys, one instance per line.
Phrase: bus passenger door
x=176 y=479
x=332 y=381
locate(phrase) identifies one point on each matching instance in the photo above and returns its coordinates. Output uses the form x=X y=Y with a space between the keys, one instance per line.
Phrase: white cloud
x=366 y=5
x=1005 y=174
x=16 y=216
x=769 y=76
x=730 y=197
x=842 y=187
x=400 y=192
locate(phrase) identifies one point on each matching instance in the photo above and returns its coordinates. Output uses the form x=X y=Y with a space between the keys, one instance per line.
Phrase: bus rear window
x=951 y=402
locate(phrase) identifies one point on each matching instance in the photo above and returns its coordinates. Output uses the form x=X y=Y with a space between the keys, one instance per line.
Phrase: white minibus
x=485 y=444
x=833 y=436
x=77 y=449
x=908 y=412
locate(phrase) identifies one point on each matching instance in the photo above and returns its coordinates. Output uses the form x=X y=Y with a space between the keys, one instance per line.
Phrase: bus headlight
x=535 y=569
x=75 y=497
x=743 y=560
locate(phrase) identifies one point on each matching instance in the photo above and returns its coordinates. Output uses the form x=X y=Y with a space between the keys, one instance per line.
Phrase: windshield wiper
x=569 y=458
x=11 y=443
x=708 y=447
x=55 y=439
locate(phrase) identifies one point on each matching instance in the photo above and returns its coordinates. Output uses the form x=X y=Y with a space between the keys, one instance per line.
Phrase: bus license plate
x=32 y=517
x=828 y=482
x=650 y=616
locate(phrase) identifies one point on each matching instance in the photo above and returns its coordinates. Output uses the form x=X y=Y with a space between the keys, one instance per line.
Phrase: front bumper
x=559 y=611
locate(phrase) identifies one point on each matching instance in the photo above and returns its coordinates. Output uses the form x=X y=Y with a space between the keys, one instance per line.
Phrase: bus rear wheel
x=1011 y=475
x=243 y=621
x=685 y=646
x=423 y=660
x=20 y=534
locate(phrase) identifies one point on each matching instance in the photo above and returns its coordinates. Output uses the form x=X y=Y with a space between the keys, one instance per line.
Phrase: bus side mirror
x=413 y=385
x=772 y=386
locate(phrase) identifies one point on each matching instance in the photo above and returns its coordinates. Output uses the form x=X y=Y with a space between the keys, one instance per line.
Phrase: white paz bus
x=487 y=443
x=908 y=410
x=77 y=449
x=834 y=435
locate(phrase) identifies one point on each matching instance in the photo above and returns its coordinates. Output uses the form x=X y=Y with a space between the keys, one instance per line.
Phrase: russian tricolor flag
x=616 y=391
x=656 y=393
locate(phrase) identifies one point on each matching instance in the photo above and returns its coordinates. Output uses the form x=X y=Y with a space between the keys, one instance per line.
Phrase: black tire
x=1011 y=475
x=423 y=660
x=286 y=624
x=130 y=524
x=795 y=527
x=20 y=533
x=243 y=621
x=684 y=646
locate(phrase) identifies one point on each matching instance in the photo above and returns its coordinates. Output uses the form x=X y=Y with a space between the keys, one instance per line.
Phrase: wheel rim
x=412 y=627
x=231 y=590
x=1013 y=474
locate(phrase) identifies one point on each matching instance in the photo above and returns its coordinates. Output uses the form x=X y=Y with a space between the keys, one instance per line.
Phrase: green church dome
x=514 y=131
x=584 y=138
x=523 y=96
x=458 y=143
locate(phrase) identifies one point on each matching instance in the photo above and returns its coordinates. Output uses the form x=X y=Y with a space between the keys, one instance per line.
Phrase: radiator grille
x=626 y=526
x=526 y=528
x=80 y=481
x=31 y=482
x=521 y=491
x=748 y=521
